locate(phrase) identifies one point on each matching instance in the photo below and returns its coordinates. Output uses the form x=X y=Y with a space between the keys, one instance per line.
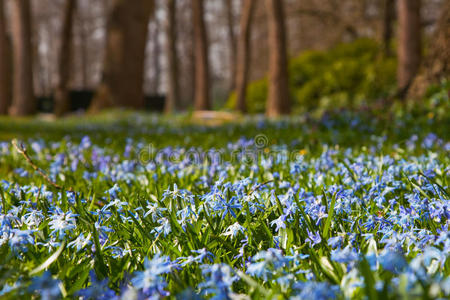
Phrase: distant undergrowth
x=348 y=75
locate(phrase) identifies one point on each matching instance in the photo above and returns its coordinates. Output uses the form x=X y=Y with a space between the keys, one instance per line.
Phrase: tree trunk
x=5 y=67
x=278 y=102
x=388 y=20
x=173 y=97
x=232 y=41
x=202 y=97
x=436 y=65
x=123 y=66
x=23 y=96
x=156 y=51
x=83 y=50
x=62 y=101
x=243 y=54
x=191 y=74
x=186 y=57
x=409 y=41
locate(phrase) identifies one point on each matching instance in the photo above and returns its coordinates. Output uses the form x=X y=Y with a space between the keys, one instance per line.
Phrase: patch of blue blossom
x=97 y=289
x=45 y=286
x=150 y=281
x=62 y=222
x=218 y=282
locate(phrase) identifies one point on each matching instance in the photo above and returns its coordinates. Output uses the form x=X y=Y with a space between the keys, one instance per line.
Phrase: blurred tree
x=88 y=42
x=409 y=43
x=232 y=42
x=278 y=102
x=436 y=66
x=388 y=20
x=243 y=54
x=202 y=98
x=82 y=32
x=154 y=77
x=61 y=96
x=186 y=61
x=173 y=98
x=123 y=67
x=5 y=63
x=23 y=102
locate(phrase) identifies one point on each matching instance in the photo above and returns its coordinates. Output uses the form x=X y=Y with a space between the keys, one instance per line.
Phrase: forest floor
x=345 y=205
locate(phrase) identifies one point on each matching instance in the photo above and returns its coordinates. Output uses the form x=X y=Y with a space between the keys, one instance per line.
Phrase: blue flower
x=219 y=279
x=320 y=214
x=315 y=290
x=113 y=191
x=313 y=238
x=279 y=223
x=45 y=286
x=259 y=269
x=165 y=226
x=61 y=222
x=335 y=241
x=229 y=206
x=80 y=242
x=345 y=255
x=393 y=262
x=18 y=240
x=154 y=211
x=8 y=289
x=233 y=230
x=97 y=290
x=85 y=142
x=150 y=280
x=33 y=218
x=202 y=255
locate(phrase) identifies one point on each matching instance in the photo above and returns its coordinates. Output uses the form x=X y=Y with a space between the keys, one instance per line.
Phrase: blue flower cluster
x=289 y=223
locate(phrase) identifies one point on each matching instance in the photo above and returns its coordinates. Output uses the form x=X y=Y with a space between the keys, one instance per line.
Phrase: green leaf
x=369 y=280
x=79 y=283
x=49 y=260
x=330 y=216
x=254 y=284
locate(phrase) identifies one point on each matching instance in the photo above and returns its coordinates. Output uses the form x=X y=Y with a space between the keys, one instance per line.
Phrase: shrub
x=347 y=75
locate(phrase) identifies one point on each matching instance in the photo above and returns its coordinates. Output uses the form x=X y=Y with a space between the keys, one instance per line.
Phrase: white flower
x=233 y=230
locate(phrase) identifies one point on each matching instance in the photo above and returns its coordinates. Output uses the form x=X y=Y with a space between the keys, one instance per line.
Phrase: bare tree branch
x=22 y=150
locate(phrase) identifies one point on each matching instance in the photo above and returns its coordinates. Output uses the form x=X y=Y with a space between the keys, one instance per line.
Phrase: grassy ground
x=348 y=205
